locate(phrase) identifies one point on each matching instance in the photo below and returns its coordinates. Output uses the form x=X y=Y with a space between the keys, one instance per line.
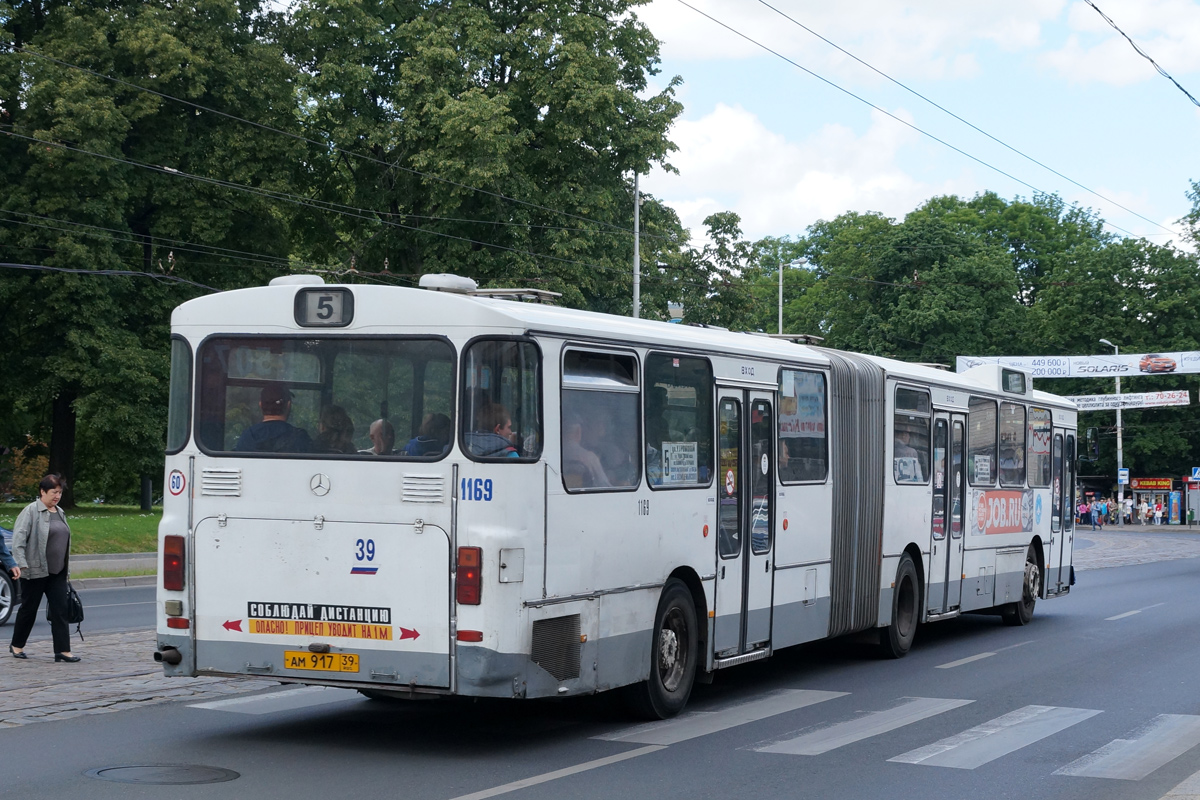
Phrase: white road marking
x=998 y=737
x=114 y=605
x=966 y=660
x=1164 y=739
x=559 y=773
x=1131 y=613
x=702 y=723
x=1188 y=790
x=287 y=700
x=822 y=740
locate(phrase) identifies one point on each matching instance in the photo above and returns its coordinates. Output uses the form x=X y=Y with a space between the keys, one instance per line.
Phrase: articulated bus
x=416 y=491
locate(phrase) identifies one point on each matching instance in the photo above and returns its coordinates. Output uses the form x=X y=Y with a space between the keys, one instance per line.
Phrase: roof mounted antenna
x=445 y=282
x=798 y=338
x=458 y=284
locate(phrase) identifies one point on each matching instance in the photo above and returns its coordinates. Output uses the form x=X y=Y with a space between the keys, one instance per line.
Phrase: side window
x=678 y=421
x=1012 y=444
x=502 y=400
x=600 y=420
x=910 y=437
x=803 y=444
x=981 y=442
x=179 y=405
x=1056 y=506
x=1068 y=487
x=1039 y=447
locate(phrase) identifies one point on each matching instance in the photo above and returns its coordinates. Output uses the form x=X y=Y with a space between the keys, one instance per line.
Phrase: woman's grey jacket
x=30 y=534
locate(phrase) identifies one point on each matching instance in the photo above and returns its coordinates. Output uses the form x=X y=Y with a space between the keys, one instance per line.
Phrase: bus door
x=946 y=519
x=1062 y=511
x=745 y=522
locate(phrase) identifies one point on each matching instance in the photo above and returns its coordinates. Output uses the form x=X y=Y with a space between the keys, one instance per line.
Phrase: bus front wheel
x=674 y=650
x=896 y=639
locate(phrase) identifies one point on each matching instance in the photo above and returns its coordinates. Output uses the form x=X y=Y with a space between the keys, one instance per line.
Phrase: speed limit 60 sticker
x=176 y=483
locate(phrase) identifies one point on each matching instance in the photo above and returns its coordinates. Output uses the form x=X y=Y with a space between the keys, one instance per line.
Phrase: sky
x=1049 y=78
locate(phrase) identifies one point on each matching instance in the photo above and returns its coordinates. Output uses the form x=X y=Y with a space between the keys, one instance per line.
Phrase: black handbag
x=74 y=609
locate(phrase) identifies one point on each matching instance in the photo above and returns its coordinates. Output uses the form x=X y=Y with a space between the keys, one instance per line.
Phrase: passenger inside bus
x=493 y=434
x=581 y=467
x=383 y=439
x=908 y=461
x=274 y=434
x=433 y=437
x=335 y=431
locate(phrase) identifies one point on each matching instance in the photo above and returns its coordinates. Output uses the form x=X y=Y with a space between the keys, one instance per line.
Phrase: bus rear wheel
x=674 y=651
x=1021 y=612
x=896 y=639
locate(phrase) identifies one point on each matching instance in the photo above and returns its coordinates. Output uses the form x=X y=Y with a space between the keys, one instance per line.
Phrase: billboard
x=1100 y=402
x=1173 y=363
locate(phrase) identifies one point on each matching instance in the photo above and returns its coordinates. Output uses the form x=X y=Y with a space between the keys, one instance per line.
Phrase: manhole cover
x=163 y=774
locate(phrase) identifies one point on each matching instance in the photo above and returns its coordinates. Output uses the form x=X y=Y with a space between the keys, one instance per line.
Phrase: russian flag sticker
x=363 y=570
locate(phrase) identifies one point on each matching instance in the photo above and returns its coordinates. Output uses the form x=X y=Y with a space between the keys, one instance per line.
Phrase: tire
x=8 y=598
x=1021 y=612
x=674 y=650
x=896 y=639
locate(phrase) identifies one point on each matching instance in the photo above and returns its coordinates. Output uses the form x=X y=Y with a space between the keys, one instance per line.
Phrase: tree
x=93 y=354
x=542 y=102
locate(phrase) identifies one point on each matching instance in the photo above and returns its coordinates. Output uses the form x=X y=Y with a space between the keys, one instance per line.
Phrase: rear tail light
x=469 y=580
x=172 y=564
x=178 y=622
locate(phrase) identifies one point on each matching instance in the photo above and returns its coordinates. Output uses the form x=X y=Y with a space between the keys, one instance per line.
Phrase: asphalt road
x=1097 y=698
x=119 y=608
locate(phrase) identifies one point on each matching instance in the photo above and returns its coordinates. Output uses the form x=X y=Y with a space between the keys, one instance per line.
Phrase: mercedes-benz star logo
x=319 y=484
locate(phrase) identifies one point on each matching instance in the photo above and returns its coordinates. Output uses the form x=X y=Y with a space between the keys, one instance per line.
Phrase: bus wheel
x=896 y=639
x=673 y=653
x=1021 y=612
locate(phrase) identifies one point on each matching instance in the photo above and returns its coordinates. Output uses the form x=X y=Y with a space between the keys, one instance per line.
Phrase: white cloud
x=933 y=39
x=730 y=160
x=1167 y=30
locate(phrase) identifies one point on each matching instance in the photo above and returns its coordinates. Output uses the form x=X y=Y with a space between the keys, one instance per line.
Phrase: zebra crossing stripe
x=1162 y=740
x=983 y=743
x=700 y=723
x=831 y=737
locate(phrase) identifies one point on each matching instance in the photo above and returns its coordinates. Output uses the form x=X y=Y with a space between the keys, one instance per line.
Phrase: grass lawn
x=103 y=528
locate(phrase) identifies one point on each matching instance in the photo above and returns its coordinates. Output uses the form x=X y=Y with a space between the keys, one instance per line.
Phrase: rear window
x=337 y=397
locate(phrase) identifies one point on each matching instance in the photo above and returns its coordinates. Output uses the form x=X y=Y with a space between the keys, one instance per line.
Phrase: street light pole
x=1120 y=486
x=782 y=267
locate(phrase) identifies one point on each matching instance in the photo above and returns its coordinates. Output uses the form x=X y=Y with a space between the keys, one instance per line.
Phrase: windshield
x=336 y=396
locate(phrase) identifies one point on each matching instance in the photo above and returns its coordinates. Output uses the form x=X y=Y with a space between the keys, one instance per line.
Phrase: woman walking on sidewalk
x=42 y=548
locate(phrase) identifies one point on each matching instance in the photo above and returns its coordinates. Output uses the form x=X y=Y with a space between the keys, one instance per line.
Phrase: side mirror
x=1091 y=445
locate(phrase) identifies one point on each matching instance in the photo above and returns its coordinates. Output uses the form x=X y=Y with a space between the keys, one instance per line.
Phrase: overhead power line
x=1142 y=52
x=880 y=109
x=971 y=125
x=326 y=207
x=326 y=145
x=126 y=272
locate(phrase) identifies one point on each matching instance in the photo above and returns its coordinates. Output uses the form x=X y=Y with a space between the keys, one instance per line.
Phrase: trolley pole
x=781 y=266
x=637 y=256
x=1120 y=448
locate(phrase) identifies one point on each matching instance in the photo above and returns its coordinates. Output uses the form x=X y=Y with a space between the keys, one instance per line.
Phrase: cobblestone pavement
x=117 y=672
x=1124 y=546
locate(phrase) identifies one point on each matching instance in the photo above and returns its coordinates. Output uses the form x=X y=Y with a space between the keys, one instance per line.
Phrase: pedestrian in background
x=1094 y=510
x=1144 y=510
x=42 y=549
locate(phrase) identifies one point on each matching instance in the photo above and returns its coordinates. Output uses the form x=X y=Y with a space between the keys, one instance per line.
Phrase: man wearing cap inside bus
x=274 y=434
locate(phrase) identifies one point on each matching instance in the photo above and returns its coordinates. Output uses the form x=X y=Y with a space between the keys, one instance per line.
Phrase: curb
x=110 y=583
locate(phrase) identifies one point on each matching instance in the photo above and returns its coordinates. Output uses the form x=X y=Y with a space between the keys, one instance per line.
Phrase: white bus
x=406 y=491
